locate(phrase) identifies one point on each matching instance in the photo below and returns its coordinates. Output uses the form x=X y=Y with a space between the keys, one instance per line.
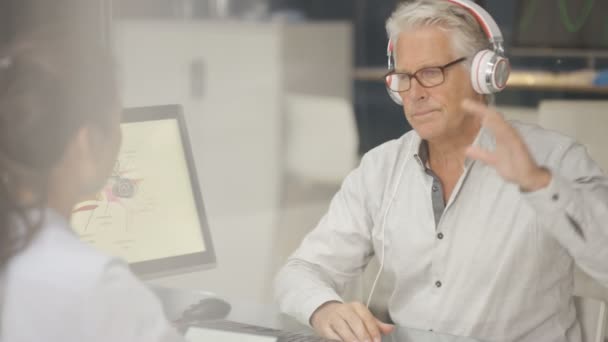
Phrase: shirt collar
x=42 y=217
x=483 y=139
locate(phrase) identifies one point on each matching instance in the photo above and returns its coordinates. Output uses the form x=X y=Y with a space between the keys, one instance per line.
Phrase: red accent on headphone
x=479 y=19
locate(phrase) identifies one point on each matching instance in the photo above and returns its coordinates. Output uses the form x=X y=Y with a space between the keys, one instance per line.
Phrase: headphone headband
x=486 y=21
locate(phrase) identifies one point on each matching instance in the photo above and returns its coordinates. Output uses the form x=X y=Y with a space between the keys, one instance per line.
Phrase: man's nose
x=417 y=91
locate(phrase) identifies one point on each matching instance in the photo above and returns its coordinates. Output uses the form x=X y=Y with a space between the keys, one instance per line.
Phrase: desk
x=267 y=315
x=404 y=334
x=401 y=334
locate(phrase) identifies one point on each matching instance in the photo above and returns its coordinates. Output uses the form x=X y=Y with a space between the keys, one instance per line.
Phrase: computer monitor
x=150 y=212
x=564 y=24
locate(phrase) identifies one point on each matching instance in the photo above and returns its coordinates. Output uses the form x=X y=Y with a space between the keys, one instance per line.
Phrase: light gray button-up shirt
x=496 y=263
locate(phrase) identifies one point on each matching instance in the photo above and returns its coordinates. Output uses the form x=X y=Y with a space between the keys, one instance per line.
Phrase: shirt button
x=435 y=188
x=555 y=197
x=438 y=283
x=440 y=236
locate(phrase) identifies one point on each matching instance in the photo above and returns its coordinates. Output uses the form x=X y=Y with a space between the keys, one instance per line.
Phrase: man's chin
x=427 y=131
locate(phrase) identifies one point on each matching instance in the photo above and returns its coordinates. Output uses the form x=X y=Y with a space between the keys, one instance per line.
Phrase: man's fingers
x=342 y=329
x=370 y=322
x=475 y=108
x=329 y=333
x=385 y=328
x=351 y=322
x=482 y=155
x=356 y=324
x=489 y=117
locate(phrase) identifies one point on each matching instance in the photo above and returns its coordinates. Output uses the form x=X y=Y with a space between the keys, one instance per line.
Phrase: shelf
x=579 y=81
x=556 y=53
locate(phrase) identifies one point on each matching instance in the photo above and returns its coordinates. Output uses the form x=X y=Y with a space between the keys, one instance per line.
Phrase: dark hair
x=51 y=85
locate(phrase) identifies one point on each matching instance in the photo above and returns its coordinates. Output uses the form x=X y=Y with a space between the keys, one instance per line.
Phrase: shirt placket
x=436 y=280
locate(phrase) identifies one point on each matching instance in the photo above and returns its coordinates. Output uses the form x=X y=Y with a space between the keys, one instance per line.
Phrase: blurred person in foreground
x=59 y=137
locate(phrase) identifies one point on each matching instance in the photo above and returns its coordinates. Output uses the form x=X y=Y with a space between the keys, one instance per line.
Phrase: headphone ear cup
x=396 y=98
x=500 y=73
x=392 y=82
x=479 y=71
x=489 y=72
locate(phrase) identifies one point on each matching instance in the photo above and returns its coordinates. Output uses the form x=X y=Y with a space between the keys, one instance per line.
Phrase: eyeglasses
x=426 y=77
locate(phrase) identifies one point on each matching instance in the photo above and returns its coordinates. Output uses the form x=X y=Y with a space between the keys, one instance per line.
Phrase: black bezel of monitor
x=181 y=263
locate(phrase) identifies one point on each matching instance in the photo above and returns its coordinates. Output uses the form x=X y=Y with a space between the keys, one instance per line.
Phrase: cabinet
x=232 y=78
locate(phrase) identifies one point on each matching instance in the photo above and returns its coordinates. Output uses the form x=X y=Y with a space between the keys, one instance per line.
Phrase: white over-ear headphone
x=490 y=68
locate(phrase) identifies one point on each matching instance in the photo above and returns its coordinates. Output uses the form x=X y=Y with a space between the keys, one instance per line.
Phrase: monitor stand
x=177 y=302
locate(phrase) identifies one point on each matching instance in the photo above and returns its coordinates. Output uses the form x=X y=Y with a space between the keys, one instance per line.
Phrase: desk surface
x=404 y=334
x=268 y=315
x=242 y=333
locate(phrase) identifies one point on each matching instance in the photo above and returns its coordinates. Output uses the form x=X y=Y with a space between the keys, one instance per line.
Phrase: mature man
x=478 y=222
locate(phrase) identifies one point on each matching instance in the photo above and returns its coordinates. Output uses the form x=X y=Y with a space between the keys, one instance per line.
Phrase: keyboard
x=282 y=336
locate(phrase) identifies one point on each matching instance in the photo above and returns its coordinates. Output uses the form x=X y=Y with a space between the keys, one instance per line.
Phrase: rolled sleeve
x=313 y=302
x=573 y=208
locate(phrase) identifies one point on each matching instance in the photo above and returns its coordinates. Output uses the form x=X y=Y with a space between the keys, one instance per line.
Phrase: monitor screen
x=568 y=24
x=150 y=212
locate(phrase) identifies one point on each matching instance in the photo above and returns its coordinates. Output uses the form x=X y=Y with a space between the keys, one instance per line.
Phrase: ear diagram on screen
x=122 y=187
x=123 y=199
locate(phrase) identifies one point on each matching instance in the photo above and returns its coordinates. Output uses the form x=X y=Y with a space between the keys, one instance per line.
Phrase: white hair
x=468 y=38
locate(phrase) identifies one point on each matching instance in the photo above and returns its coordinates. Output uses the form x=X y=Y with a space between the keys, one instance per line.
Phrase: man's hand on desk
x=348 y=322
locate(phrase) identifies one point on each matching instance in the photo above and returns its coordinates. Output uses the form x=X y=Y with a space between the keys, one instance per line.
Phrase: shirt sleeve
x=336 y=251
x=574 y=209
x=122 y=308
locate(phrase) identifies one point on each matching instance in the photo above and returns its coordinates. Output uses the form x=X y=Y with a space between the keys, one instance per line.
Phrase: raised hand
x=511 y=157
